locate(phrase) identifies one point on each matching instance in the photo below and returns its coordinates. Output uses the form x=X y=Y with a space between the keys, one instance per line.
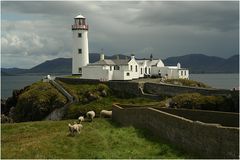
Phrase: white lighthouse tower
x=80 y=45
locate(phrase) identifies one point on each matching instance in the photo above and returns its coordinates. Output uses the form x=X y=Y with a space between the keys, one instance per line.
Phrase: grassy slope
x=99 y=139
x=78 y=90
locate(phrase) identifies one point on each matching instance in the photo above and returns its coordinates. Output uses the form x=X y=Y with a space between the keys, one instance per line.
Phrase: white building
x=115 y=69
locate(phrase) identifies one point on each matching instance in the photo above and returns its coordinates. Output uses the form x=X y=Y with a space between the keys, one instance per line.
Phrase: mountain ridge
x=196 y=63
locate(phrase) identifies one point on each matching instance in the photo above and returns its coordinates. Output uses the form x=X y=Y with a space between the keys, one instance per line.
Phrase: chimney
x=178 y=65
x=132 y=56
x=117 y=57
x=101 y=56
x=151 y=57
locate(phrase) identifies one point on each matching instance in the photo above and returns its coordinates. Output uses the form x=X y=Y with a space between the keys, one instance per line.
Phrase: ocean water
x=9 y=83
x=223 y=81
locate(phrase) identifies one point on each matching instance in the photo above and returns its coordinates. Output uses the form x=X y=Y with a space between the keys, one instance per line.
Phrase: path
x=146 y=95
x=58 y=113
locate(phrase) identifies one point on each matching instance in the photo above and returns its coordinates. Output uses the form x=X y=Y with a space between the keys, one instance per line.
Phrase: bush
x=6 y=119
x=198 y=101
x=186 y=82
x=37 y=102
x=76 y=110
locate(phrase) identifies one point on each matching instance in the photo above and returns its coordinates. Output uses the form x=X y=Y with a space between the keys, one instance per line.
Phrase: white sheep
x=80 y=119
x=75 y=128
x=105 y=113
x=90 y=115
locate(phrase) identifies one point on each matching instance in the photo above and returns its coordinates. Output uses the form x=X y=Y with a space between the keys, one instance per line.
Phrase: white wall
x=79 y=60
x=173 y=73
x=121 y=75
x=96 y=72
x=134 y=73
x=183 y=74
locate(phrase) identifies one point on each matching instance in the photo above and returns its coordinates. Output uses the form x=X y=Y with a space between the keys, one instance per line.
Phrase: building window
x=116 y=68
x=79 y=51
x=131 y=67
x=79 y=35
x=136 y=68
x=110 y=68
x=146 y=70
x=80 y=70
x=149 y=71
x=181 y=73
x=141 y=70
x=185 y=72
x=128 y=74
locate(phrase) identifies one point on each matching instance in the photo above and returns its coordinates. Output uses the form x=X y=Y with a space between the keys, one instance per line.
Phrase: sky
x=33 y=32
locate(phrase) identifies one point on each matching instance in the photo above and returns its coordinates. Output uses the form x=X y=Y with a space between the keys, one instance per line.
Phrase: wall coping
x=200 y=88
x=118 y=106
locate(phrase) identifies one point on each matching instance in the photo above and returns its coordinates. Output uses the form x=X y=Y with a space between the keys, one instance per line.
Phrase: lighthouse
x=80 y=53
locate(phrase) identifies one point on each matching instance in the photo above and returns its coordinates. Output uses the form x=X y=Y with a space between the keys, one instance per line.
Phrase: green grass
x=78 y=90
x=99 y=139
x=78 y=109
x=72 y=76
x=37 y=101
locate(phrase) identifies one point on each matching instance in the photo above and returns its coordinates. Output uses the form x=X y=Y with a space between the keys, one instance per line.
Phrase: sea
x=221 y=81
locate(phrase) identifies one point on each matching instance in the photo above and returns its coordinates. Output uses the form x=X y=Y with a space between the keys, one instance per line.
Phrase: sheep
x=80 y=119
x=105 y=113
x=90 y=115
x=74 y=128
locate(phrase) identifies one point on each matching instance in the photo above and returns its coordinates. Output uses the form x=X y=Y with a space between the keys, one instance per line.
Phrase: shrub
x=37 y=102
x=186 y=82
x=6 y=119
x=198 y=101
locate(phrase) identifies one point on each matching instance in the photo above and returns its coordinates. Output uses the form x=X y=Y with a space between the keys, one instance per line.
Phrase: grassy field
x=99 y=139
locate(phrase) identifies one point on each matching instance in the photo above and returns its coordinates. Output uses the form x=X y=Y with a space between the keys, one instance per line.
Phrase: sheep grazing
x=105 y=114
x=80 y=119
x=74 y=128
x=90 y=115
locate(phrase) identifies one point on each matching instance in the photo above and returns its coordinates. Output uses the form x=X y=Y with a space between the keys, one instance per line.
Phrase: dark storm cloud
x=207 y=15
x=43 y=29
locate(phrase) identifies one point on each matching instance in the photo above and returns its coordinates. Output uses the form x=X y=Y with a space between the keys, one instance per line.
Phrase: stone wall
x=224 y=118
x=124 y=88
x=205 y=140
x=172 y=90
x=77 y=80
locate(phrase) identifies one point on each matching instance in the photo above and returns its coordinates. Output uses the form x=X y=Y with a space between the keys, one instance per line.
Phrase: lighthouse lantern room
x=80 y=45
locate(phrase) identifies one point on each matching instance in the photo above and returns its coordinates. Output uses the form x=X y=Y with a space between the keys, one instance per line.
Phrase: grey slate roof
x=121 y=61
x=153 y=62
x=102 y=62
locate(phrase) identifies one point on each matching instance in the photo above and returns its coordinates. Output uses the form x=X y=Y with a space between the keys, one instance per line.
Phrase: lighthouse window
x=128 y=74
x=79 y=35
x=80 y=51
x=135 y=68
x=131 y=67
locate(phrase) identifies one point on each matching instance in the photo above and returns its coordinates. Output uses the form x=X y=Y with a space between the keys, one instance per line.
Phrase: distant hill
x=196 y=63
x=200 y=63
x=12 y=71
x=59 y=65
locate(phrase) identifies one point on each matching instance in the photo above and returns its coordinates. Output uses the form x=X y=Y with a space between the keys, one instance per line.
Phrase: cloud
x=43 y=29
